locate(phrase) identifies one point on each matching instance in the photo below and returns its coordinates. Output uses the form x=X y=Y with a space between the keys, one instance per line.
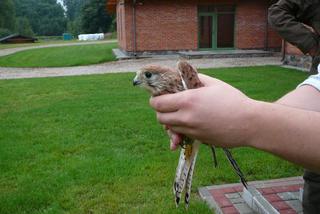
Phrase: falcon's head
x=158 y=80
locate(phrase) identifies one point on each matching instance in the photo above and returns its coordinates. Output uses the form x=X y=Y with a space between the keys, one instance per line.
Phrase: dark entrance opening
x=216 y=26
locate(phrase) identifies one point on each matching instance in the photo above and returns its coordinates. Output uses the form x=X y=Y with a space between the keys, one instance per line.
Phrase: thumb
x=209 y=81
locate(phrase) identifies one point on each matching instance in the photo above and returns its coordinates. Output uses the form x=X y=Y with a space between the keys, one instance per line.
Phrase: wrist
x=265 y=123
x=253 y=122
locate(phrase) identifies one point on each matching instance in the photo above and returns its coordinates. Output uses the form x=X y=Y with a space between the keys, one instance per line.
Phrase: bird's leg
x=236 y=167
x=214 y=156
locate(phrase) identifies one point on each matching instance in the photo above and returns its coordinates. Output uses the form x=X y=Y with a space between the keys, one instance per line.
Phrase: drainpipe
x=284 y=45
x=266 y=42
x=134 y=25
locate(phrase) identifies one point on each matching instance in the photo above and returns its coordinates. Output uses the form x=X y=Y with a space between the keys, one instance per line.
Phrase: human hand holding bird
x=159 y=80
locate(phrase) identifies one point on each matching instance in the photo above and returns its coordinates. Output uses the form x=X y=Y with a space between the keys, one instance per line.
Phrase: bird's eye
x=148 y=75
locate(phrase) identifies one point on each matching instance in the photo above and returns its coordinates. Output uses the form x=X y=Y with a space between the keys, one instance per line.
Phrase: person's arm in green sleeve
x=283 y=18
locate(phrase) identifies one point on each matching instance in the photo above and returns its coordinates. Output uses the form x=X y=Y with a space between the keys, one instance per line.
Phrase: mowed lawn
x=61 y=56
x=91 y=144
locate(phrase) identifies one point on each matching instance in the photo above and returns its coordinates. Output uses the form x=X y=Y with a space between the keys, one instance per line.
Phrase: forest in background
x=50 y=18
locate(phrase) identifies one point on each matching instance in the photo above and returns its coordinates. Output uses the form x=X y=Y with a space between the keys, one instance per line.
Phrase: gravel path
x=4 y=52
x=131 y=66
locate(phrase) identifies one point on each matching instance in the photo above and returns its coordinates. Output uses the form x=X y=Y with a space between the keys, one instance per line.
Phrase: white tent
x=91 y=37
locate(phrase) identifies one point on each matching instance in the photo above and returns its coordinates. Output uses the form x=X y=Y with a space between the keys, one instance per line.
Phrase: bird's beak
x=136 y=81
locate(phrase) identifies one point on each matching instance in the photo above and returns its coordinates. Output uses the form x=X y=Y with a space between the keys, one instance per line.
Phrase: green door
x=216 y=28
x=207 y=31
x=225 y=30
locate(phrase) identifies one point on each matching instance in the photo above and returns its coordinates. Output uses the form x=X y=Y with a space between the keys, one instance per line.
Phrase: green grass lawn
x=91 y=144
x=60 y=56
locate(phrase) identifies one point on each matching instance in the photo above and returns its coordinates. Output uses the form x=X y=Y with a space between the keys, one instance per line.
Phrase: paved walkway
x=267 y=197
x=8 y=51
x=132 y=66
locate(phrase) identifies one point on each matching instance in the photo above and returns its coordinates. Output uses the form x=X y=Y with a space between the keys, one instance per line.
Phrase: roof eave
x=112 y=6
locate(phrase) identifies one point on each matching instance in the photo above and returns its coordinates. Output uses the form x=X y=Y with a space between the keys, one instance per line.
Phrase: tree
x=7 y=15
x=74 y=27
x=94 y=17
x=73 y=13
x=73 y=8
x=23 y=27
x=46 y=17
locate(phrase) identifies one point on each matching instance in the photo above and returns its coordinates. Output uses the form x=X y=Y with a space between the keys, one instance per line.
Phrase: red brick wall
x=274 y=41
x=124 y=25
x=161 y=25
x=251 y=20
x=173 y=25
x=168 y=25
x=121 y=26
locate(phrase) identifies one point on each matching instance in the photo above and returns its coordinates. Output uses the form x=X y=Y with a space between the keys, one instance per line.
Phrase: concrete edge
x=295 y=68
x=257 y=202
x=206 y=196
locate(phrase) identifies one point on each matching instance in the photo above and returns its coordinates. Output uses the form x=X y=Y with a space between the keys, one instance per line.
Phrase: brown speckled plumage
x=165 y=80
x=159 y=80
x=189 y=75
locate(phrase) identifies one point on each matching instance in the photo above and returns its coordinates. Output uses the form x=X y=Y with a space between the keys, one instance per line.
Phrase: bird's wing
x=190 y=147
x=189 y=74
x=190 y=77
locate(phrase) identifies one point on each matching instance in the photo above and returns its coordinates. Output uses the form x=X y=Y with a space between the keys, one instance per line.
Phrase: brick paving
x=281 y=195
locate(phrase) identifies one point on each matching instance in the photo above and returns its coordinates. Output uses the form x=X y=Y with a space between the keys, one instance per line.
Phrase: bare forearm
x=288 y=132
x=221 y=115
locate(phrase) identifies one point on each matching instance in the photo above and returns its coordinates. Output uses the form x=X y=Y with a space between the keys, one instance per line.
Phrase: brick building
x=174 y=25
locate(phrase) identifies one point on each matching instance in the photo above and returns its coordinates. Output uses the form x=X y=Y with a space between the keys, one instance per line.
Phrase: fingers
x=173 y=102
x=170 y=119
x=166 y=103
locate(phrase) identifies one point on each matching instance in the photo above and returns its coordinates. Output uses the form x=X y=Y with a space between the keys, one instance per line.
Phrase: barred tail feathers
x=190 y=174
x=185 y=166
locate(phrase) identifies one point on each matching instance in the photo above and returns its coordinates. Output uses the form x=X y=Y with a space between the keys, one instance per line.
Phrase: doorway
x=216 y=27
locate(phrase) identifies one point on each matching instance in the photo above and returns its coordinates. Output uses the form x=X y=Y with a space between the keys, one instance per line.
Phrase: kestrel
x=160 y=80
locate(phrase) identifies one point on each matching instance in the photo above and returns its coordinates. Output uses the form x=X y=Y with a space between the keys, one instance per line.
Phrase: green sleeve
x=283 y=18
